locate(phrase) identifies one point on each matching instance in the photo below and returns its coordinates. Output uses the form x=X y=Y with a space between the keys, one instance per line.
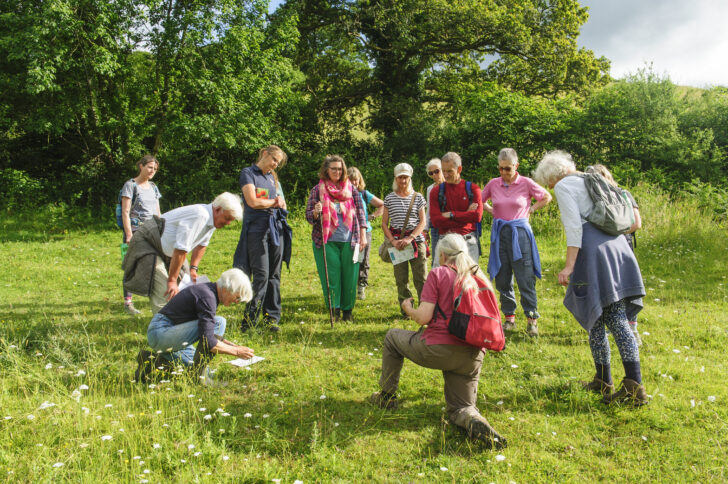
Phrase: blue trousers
x=175 y=341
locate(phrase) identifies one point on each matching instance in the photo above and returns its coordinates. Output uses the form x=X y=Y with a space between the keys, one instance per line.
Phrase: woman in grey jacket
x=604 y=282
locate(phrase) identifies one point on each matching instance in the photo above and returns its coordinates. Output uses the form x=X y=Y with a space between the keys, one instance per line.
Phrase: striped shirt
x=397 y=209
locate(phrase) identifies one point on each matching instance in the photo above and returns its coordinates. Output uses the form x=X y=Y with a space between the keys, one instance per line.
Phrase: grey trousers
x=460 y=367
x=523 y=270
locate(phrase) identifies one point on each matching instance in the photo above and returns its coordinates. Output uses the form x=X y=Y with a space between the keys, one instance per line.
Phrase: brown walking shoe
x=385 y=400
x=597 y=385
x=479 y=429
x=631 y=393
x=532 y=328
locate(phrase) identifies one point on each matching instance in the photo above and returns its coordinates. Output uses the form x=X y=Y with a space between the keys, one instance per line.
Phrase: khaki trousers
x=419 y=273
x=460 y=367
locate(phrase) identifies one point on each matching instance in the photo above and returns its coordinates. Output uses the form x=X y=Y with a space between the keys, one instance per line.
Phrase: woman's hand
x=128 y=236
x=408 y=305
x=317 y=209
x=472 y=207
x=564 y=275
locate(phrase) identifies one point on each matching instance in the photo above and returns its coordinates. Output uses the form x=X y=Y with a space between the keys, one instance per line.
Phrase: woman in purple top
x=436 y=348
x=513 y=247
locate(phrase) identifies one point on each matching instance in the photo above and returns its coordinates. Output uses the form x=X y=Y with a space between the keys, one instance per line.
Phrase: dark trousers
x=265 y=274
x=364 y=264
x=523 y=270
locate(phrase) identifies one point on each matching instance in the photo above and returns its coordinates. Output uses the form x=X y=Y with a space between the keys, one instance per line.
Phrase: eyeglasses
x=335 y=168
x=505 y=168
x=433 y=172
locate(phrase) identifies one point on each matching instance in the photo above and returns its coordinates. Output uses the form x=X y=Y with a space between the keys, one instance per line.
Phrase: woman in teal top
x=368 y=199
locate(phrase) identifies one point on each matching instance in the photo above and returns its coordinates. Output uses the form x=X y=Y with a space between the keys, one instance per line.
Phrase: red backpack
x=476 y=317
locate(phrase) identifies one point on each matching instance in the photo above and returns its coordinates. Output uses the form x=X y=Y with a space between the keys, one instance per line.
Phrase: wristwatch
x=452 y=215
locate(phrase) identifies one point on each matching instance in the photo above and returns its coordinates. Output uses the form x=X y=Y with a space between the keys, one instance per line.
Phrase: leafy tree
x=392 y=55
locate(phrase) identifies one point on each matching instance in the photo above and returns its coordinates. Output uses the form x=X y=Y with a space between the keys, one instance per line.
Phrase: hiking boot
x=347 y=315
x=337 y=314
x=509 y=324
x=271 y=325
x=361 y=293
x=633 y=327
x=597 y=385
x=145 y=366
x=631 y=393
x=130 y=309
x=479 y=429
x=385 y=400
x=532 y=328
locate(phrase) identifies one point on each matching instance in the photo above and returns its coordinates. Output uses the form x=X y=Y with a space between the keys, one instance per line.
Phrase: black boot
x=347 y=315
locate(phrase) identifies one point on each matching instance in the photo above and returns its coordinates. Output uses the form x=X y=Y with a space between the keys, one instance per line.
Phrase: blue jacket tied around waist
x=494 y=263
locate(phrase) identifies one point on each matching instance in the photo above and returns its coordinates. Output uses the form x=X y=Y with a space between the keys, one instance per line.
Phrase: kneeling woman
x=604 y=282
x=436 y=348
x=190 y=317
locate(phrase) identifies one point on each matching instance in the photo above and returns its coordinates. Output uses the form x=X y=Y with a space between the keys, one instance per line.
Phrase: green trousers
x=343 y=273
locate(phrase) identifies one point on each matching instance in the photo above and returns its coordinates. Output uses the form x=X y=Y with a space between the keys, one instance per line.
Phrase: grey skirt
x=606 y=271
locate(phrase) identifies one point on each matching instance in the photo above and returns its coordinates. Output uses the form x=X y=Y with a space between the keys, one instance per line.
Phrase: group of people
x=604 y=285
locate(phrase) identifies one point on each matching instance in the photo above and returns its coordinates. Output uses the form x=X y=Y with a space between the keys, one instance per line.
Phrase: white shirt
x=187 y=227
x=575 y=205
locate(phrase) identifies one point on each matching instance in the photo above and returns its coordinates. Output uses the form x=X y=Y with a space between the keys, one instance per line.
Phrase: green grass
x=61 y=326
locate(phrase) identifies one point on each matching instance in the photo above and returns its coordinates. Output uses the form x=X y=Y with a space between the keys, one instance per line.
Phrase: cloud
x=684 y=40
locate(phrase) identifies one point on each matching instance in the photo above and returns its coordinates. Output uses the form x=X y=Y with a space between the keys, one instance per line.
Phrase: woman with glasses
x=513 y=249
x=434 y=171
x=336 y=212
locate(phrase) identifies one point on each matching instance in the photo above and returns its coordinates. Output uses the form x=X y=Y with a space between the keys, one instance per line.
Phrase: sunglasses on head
x=433 y=172
x=505 y=168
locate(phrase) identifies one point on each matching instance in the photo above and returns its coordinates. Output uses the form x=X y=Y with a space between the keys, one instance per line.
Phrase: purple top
x=196 y=302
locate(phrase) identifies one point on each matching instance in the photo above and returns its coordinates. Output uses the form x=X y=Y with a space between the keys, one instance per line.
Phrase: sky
x=686 y=40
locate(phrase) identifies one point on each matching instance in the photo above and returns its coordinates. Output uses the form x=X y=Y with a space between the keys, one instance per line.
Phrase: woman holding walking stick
x=336 y=213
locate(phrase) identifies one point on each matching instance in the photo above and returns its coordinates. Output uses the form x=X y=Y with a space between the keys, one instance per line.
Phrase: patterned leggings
x=614 y=317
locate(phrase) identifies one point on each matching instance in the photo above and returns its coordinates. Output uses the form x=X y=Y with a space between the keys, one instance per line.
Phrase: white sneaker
x=130 y=309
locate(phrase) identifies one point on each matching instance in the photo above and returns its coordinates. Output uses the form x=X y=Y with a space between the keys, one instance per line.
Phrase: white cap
x=403 y=169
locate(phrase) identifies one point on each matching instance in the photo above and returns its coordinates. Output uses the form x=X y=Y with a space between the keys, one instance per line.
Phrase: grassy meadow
x=69 y=410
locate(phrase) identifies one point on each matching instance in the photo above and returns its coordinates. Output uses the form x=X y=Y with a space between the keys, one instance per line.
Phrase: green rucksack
x=613 y=211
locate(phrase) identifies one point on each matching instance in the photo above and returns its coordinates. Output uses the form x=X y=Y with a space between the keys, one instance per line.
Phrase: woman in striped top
x=396 y=205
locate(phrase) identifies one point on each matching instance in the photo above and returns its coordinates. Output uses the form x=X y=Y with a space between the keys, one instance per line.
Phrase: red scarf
x=330 y=193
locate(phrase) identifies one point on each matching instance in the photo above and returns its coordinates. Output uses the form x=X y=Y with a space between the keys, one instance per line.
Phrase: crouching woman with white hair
x=436 y=348
x=605 y=286
x=191 y=317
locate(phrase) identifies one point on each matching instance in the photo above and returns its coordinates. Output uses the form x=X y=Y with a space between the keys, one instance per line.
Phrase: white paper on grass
x=242 y=363
x=399 y=256
x=187 y=281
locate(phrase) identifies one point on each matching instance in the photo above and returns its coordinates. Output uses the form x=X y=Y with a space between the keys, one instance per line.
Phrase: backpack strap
x=469 y=191
x=441 y=197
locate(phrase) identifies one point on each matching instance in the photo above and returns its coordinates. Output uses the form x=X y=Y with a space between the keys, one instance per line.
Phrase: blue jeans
x=175 y=340
x=434 y=237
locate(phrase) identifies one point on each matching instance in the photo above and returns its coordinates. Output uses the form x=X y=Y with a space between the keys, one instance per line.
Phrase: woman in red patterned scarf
x=336 y=212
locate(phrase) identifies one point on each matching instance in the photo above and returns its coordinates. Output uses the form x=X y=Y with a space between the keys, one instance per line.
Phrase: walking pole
x=326 y=266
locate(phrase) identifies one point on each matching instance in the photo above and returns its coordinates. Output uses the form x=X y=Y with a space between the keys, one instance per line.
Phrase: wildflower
x=152 y=386
x=225 y=414
x=265 y=415
x=203 y=409
x=156 y=446
x=500 y=458
x=106 y=437
x=108 y=405
x=85 y=410
x=31 y=417
x=219 y=410
x=80 y=373
x=137 y=457
x=83 y=445
x=222 y=431
x=58 y=464
x=49 y=366
x=146 y=471
x=644 y=438
x=499 y=402
x=370 y=354
x=676 y=351
x=248 y=415
x=692 y=403
x=443 y=469
x=76 y=395
x=83 y=387
x=45 y=405
x=322 y=397
x=514 y=366
x=197 y=454
x=158 y=412
x=8 y=417
x=711 y=398
x=225 y=457
x=191 y=446
x=208 y=417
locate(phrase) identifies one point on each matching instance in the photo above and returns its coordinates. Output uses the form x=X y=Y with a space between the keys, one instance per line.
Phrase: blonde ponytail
x=455 y=250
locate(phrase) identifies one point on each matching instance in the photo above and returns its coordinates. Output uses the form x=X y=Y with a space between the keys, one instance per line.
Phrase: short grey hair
x=554 y=166
x=433 y=162
x=508 y=154
x=452 y=157
x=229 y=203
x=236 y=283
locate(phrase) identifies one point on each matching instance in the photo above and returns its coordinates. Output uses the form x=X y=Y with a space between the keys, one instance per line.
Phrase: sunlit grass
x=70 y=411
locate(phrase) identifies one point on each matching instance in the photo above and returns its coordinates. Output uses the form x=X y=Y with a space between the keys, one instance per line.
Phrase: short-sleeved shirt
x=187 y=227
x=438 y=289
x=397 y=209
x=512 y=200
x=342 y=232
x=366 y=198
x=196 y=302
x=256 y=219
x=145 y=205
x=631 y=199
